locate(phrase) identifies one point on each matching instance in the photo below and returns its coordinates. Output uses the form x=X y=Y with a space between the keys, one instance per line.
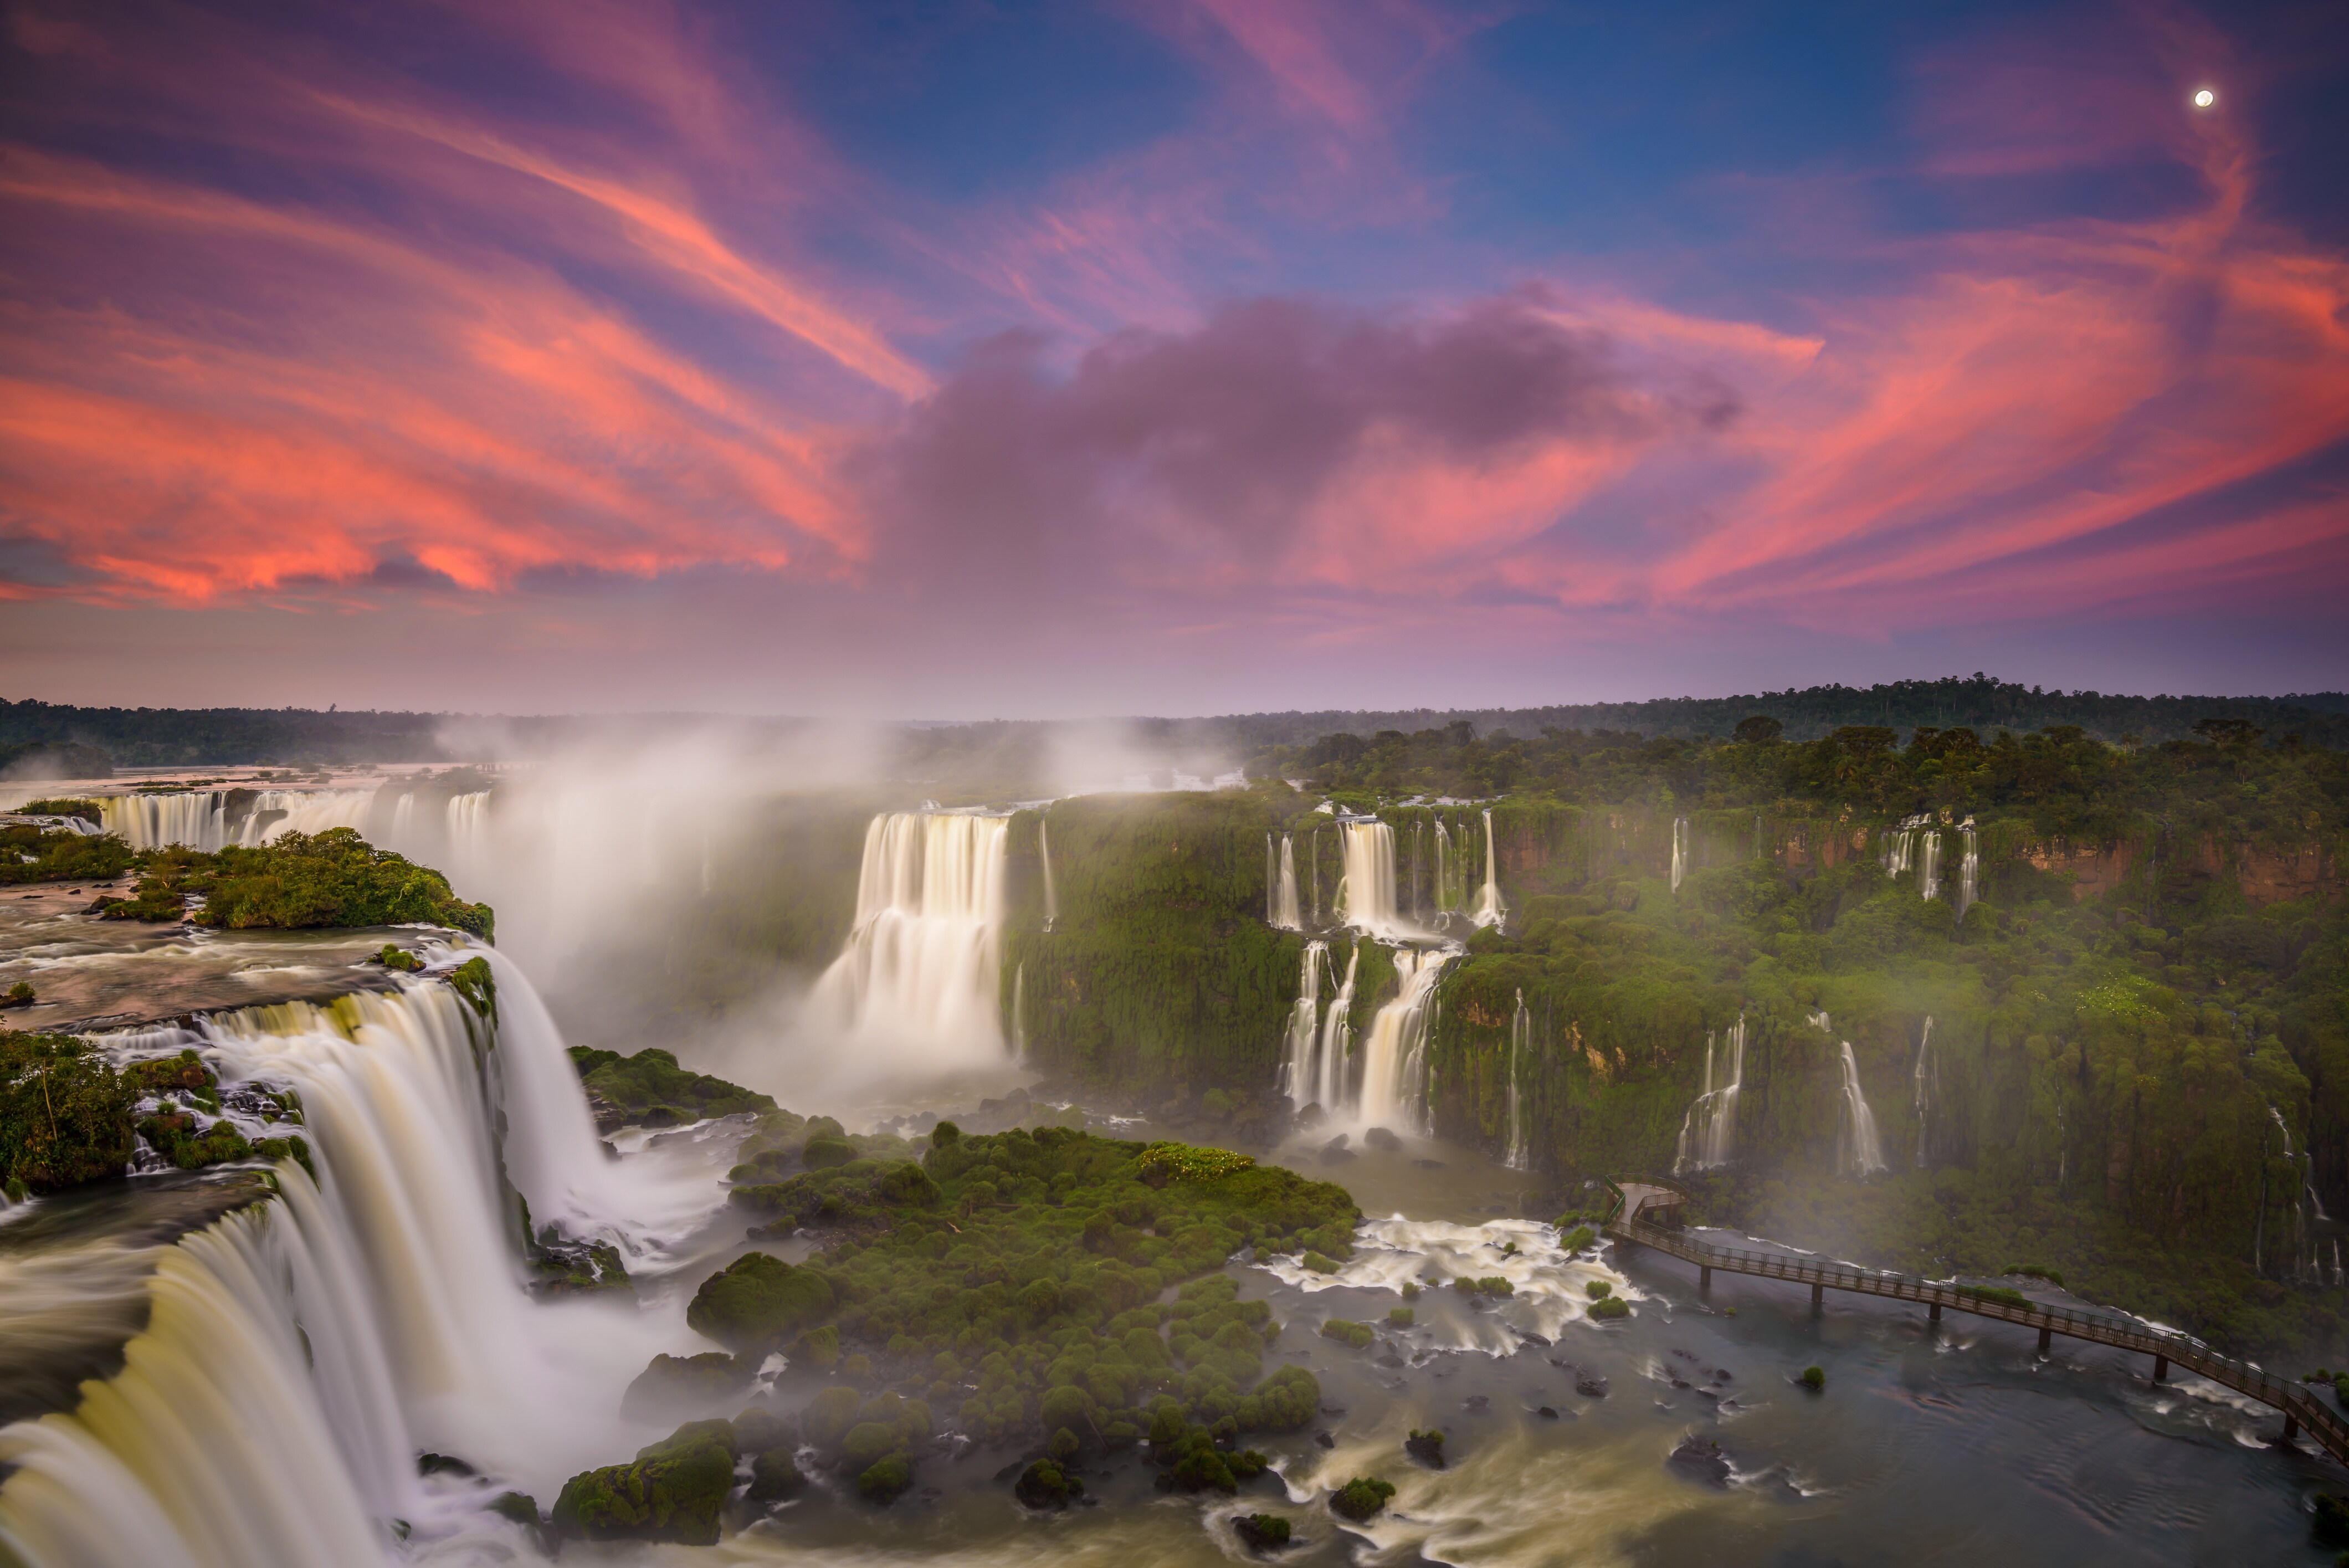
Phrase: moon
x=2205 y=99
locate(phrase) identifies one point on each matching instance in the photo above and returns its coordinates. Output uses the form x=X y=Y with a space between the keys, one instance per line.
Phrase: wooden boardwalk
x=1647 y=1215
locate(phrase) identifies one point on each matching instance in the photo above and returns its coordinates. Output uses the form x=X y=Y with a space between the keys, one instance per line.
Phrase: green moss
x=1261 y=1531
x=756 y=1301
x=1362 y=1498
x=774 y=1476
x=1425 y=1447
x=885 y=1479
x=478 y=985
x=1318 y=1263
x=638 y=1086
x=675 y=1490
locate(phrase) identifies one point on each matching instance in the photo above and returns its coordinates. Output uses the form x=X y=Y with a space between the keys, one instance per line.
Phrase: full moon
x=2205 y=99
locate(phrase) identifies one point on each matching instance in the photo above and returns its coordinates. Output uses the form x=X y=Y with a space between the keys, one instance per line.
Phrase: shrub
x=886 y=1481
x=1576 y=1240
x=1361 y=1498
x=65 y=1113
x=1400 y=1317
x=1814 y=1378
x=1318 y=1263
x=1599 y=1290
x=1044 y=1484
x=1357 y=1334
x=1261 y=1531
x=1610 y=1309
x=1491 y=1285
x=1427 y=1447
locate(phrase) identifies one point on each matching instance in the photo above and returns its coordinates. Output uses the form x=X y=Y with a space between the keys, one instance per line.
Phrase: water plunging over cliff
x=1709 y=1130
x=1330 y=1066
x=1052 y=891
x=1929 y=869
x=1300 y=1042
x=194 y=819
x=1281 y=911
x=919 y=978
x=300 y=1355
x=1928 y=1080
x=1861 y=1152
x=304 y=811
x=1490 y=909
x=1521 y=1033
x=1367 y=895
x=1679 y=851
x=1969 y=870
x=1395 y=1053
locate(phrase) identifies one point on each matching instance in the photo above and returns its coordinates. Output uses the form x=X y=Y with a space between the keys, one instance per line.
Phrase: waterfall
x=299 y=1355
x=193 y=819
x=1709 y=1130
x=920 y=974
x=1927 y=1080
x=1679 y=851
x=1271 y=885
x=1052 y=893
x=1969 y=871
x=403 y=817
x=2306 y=1266
x=1418 y=889
x=1899 y=847
x=1863 y=1154
x=1019 y=1015
x=306 y=811
x=1366 y=893
x=1281 y=894
x=1331 y=1068
x=1316 y=876
x=1929 y=869
x=1443 y=858
x=1299 y=1079
x=1521 y=1034
x=469 y=837
x=1395 y=1053
x=1490 y=909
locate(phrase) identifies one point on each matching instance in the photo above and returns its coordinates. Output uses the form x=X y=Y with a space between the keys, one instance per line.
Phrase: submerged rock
x=670 y=1385
x=1701 y=1459
x=1380 y=1137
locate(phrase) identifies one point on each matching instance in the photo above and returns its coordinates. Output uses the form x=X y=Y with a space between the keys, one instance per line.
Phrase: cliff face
x=2263 y=874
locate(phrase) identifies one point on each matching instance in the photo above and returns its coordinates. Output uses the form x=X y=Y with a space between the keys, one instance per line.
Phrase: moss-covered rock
x=1426 y=1446
x=756 y=1301
x=1261 y=1531
x=675 y=1490
x=672 y=1384
x=1044 y=1484
x=650 y=1089
x=1361 y=1498
x=774 y=1476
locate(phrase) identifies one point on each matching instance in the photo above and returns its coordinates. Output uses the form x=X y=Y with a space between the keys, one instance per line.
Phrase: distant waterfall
x=1330 y=1066
x=1281 y=911
x=1316 y=876
x=1395 y=1053
x=921 y=968
x=306 y=811
x=1679 y=851
x=1969 y=871
x=1366 y=894
x=299 y=1355
x=1300 y=1042
x=1446 y=859
x=2307 y=1265
x=193 y=819
x=1490 y=909
x=403 y=818
x=1019 y=1014
x=1521 y=1034
x=1929 y=865
x=1928 y=1080
x=1862 y=1153
x=1419 y=905
x=1900 y=848
x=1709 y=1130
x=1052 y=893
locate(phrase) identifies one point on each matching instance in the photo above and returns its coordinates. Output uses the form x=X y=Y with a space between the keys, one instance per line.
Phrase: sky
x=968 y=360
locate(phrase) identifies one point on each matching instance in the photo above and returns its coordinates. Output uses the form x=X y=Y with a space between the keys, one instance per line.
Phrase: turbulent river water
x=256 y=1380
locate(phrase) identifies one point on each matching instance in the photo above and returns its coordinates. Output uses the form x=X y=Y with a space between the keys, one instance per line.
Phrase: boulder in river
x=1380 y=1137
x=674 y=1491
x=1701 y=1459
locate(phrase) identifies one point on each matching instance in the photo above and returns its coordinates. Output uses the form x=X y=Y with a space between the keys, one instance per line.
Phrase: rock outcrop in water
x=674 y=1491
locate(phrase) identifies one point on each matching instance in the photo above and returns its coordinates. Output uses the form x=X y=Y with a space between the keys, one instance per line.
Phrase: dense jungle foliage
x=65 y=1114
x=32 y=853
x=1021 y=1277
x=297 y=880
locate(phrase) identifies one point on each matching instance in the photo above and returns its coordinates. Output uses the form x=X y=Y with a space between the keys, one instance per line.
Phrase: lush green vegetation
x=1362 y=1498
x=1032 y=1265
x=650 y=1089
x=31 y=854
x=330 y=878
x=65 y=1114
x=674 y=1491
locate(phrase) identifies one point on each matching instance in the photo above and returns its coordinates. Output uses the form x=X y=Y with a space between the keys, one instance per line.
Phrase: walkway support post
x=2160 y=1367
x=1704 y=1280
x=2046 y=1342
x=2291 y=1426
x=1933 y=1312
x=1818 y=1294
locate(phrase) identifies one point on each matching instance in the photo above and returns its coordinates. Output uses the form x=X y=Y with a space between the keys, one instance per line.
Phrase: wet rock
x=1324 y=1440
x=1547 y=1413
x=442 y=1465
x=1530 y=1337
x=1380 y=1137
x=1590 y=1384
x=1338 y=1142
x=1334 y=1156
x=1262 y=1532
x=1429 y=1164
x=1702 y=1460
x=1476 y=1402
x=1333 y=1411
x=1389 y=1359
x=1426 y=1446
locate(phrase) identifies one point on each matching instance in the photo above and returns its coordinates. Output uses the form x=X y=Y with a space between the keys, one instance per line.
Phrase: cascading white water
x=1490 y=909
x=1443 y=861
x=192 y=819
x=1969 y=871
x=1330 y=1067
x=403 y=817
x=1927 y=1080
x=1709 y=1129
x=1019 y=1014
x=1281 y=911
x=2306 y=1267
x=1679 y=851
x=299 y=1355
x=1051 y=888
x=1299 y=1078
x=1862 y=1152
x=1395 y=1053
x=918 y=979
x=1367 y=893
x=306 y=811
x=1929 y=869
x=1316 y=876
x=1521 y=1034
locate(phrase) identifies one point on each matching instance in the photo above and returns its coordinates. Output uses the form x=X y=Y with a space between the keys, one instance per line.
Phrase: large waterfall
x=299 y=1355
x=1928 y=1080
x=1395 y=1053
x=1281 y=902
x=1299 y=1078
x=919 y=982
x=1521 y=1033
x=1490 y=909
x=1709 y=1130
x=198 y=819
x=1367 y=895
x=1330 y=1064
x=1861 y=1152
x=1680 y=852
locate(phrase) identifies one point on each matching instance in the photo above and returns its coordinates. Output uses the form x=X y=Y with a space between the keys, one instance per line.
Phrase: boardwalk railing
x=2301 y=1403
